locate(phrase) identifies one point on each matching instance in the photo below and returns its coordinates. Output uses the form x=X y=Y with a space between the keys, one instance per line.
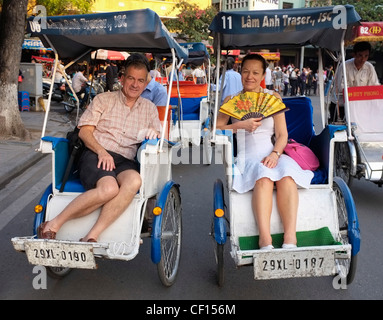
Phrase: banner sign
x=365 y=93
x=270 y=55
x=369 y=31
x=34 y=44
x=284 y=20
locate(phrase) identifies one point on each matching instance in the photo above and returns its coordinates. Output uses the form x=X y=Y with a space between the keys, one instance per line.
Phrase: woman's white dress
x=252 y=148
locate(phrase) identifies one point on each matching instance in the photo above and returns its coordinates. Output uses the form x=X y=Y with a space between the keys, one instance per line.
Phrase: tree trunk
x=12 y=28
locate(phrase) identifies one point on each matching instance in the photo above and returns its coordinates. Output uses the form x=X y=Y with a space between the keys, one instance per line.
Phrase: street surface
x=138 y=279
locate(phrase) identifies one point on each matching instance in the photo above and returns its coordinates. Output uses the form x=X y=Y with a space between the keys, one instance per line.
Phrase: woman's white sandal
x=288 y=246
x=269 y=247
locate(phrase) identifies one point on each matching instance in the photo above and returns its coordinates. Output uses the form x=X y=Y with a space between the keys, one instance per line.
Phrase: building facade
x=164 y=8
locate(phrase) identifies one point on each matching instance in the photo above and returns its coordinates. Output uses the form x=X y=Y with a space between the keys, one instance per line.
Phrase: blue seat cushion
x=299 y=119
x=190 y=108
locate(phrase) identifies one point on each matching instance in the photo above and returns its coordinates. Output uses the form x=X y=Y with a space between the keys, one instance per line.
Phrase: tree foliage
x=64 y=7
x=371 y=10
x=192 y=23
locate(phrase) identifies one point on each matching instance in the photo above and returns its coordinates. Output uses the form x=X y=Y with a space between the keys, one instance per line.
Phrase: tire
x=68 y=103
x=342 y=162
x=219 y=228
x=57 y=272
x=348 y=265
x=220 y=264
x=171 y=234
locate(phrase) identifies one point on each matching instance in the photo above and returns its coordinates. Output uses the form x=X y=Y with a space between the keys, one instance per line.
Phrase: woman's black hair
x=255 y=56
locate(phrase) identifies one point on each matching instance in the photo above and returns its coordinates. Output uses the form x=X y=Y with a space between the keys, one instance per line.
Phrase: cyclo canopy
x=322 y=27
x=76 y=35
x=72 y=36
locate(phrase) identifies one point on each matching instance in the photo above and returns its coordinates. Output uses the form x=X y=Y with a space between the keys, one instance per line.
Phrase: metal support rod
x=345 y=90
x=168 y=99
x=47 y=108
x=321 y=87
x=217 y=89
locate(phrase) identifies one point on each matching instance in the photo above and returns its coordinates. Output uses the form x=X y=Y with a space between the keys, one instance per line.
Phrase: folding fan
x=253 y=105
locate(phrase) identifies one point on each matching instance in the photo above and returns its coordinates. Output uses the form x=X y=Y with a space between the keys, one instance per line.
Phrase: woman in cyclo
x=261 y=163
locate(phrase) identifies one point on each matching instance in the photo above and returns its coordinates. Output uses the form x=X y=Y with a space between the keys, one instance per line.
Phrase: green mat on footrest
x=319 y=237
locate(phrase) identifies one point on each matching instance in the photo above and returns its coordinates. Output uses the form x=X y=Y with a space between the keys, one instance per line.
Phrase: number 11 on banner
x=229 y=22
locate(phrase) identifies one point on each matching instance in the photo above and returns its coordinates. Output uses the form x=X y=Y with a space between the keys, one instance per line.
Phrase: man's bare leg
x=106 y=189
x=130 y=183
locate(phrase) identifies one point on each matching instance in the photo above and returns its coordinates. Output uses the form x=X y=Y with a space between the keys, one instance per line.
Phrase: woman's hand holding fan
x=253 y=105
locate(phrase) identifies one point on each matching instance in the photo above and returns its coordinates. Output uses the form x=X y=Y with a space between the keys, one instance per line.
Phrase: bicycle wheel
x=342 y=162
x=171 y=231
x=347 y=266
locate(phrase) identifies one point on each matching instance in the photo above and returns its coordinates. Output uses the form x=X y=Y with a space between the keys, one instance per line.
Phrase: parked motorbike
x=85 y=98
x=100 y=84
x=58 y=92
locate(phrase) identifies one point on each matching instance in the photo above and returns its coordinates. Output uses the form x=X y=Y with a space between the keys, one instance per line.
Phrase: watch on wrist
x=278 y=154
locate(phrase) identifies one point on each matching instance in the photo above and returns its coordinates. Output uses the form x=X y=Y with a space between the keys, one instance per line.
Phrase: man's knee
x=131 y=179
x=108 y=188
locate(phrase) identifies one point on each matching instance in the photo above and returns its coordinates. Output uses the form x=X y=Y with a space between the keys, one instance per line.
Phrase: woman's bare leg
x=262 y=202
x=287 y=201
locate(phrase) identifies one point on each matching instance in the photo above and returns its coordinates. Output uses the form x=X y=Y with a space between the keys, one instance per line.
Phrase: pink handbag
x=302 y=155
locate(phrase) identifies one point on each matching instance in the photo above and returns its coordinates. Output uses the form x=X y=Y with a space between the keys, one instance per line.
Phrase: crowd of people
x=286 y=80
x=290 y=80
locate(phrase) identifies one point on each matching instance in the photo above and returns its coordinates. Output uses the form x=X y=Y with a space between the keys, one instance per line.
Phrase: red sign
x=270 y=55
x=365 y=93
x=369 y=31
x=231 y=52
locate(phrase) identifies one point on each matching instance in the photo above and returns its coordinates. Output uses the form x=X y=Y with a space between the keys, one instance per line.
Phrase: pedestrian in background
x=329 y=78
x=294 y=82
x=233 y=83
x=269 y=79
x=286 y=82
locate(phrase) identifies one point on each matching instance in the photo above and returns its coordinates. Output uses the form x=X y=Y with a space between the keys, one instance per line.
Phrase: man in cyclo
x=359 y=73
x=112 y=128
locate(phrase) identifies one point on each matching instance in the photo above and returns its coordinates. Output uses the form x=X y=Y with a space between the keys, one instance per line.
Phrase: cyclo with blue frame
x=77 y=36
x=327 y=224
x=361 y=155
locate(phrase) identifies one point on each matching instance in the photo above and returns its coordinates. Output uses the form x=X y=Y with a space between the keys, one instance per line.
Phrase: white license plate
x=60 y=254
x=290 y=264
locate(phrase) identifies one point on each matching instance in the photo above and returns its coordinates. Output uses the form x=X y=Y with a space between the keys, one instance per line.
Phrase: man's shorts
x=90 y=174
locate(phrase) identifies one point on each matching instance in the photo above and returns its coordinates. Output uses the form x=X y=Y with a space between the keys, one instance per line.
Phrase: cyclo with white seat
x=361 y=155
x=193 y=103
x=77 y=36
x=327 y=224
